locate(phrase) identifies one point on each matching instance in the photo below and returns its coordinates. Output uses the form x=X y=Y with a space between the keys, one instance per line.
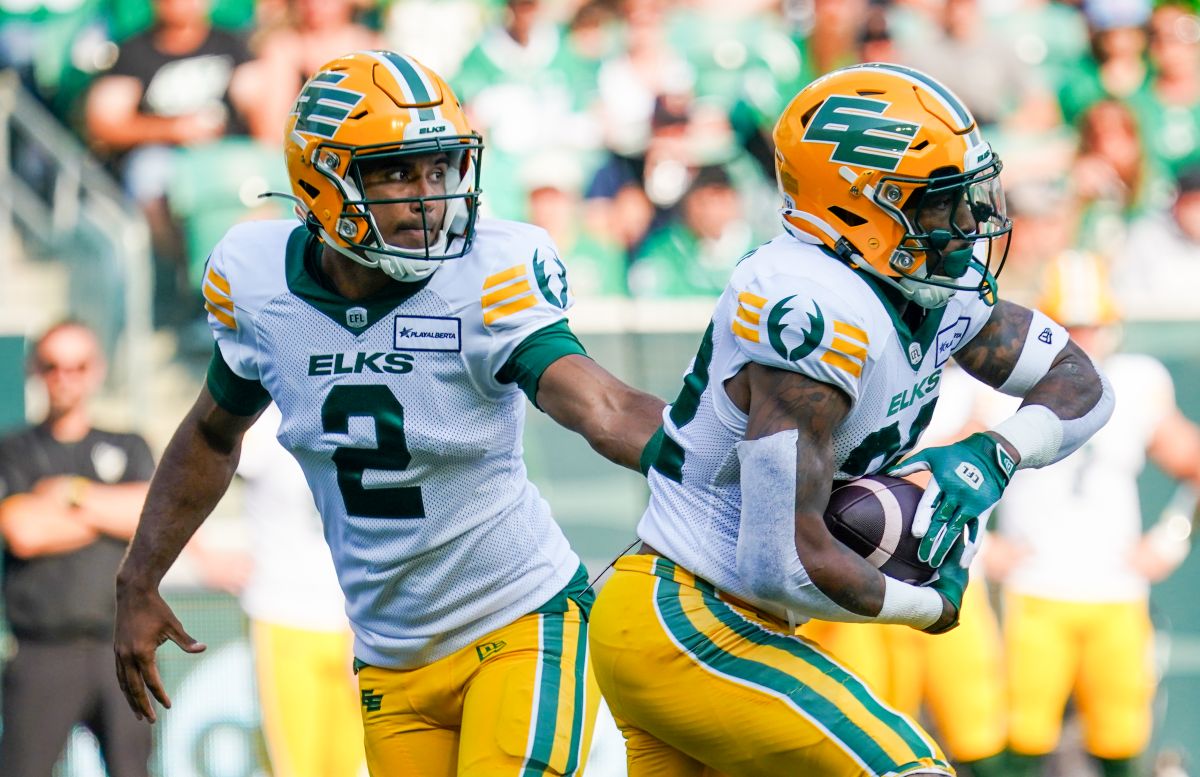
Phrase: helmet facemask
x=356 y=224
x=946 y=209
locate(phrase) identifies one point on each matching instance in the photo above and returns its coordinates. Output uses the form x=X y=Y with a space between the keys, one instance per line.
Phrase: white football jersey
x=411 y=446
x=792 y=306
x=1081 y=518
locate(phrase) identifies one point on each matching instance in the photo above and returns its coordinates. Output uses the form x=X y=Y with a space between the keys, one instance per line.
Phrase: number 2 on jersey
x=390 y=454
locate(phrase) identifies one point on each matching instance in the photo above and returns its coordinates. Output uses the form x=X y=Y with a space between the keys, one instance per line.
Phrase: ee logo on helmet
x=860 y=133
x=322 y=106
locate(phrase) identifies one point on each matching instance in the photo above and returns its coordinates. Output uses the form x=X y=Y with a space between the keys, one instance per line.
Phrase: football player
x=399 y=333
x=1079 y=567
x=822 y=362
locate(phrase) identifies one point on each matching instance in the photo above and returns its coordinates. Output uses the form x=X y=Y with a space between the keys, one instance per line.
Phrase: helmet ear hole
x=308 y=188
x=807 y=116
x=849 y=218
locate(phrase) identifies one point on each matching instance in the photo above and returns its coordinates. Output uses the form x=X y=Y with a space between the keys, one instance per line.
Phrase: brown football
x=873 y=516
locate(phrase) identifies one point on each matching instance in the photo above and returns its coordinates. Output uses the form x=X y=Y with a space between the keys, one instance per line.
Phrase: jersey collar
x=910 y=340
x=302 y=246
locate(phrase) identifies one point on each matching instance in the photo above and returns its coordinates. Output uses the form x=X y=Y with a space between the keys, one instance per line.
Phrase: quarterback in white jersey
x=400 y=334
x=822 y=363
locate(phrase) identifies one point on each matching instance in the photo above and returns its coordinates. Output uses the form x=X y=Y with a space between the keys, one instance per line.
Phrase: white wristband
x=909 y=605
x=1036 y=432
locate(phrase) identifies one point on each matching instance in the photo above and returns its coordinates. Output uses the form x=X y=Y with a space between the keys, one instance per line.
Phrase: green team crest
x=322 y=106
x=860 y=133
x=812 y=336
x=552 y=284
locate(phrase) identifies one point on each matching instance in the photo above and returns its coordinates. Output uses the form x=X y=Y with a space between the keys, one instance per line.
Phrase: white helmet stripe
x=414 y=84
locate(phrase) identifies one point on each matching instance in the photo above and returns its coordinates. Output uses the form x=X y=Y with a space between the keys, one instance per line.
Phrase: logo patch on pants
x=489 y=649
x=371 y=701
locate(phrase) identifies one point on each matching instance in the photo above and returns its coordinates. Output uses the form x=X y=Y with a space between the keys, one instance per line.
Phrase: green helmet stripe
x=952 y=102
x=409 y=76
x=322 y=105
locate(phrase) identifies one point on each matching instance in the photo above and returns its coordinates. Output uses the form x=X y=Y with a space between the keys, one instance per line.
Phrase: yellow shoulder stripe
x=507 y=309
x=217 y=299
x=849 y=348
x=510 y=293
x=749 y=316
x=751 y=299
x=749 y=310
x=849 y=330
x=744 y=332
x=217 y=280
x=515 y=271
x=842 y=362
x=505 y=292
x=222 y=316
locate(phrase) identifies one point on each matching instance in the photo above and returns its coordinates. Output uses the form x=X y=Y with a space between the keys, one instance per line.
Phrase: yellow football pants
x=1101 y=652
x=519 y=702
x=309 y=704
x=958 y=676
x=700 y=685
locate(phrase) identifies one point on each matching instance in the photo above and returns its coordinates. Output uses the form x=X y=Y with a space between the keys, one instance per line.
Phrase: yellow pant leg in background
x=1116 y=683
x=685 y=671
x=964 y=681
x=309 y=702
x=860 y=647
x=521 y=701
x=1102 y=650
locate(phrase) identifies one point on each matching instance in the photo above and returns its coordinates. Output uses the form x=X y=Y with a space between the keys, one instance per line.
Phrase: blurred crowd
x=638 y=132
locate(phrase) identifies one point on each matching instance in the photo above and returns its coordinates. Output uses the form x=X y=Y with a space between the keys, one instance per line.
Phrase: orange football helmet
x=866 y=159
x=373 y=107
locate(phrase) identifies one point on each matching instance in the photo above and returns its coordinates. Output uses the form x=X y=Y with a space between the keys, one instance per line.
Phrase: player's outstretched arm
x=194 y=472
x=1023 y=353
x=617 y=420
x=785 y=552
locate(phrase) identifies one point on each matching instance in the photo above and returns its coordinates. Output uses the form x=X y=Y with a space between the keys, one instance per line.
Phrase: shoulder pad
x=245 y=268
x=802 y=327
x=526 y=279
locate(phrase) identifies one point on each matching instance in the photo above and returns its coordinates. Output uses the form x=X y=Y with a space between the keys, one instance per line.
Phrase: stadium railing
x=62 y=204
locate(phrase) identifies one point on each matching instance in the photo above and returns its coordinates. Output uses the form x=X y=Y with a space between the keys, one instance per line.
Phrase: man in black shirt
x=70 y=496
x=181 y=83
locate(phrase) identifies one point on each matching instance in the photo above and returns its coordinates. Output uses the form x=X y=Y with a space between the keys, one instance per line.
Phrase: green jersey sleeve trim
x=651 y=451
x=537 y=352
x=235 y=394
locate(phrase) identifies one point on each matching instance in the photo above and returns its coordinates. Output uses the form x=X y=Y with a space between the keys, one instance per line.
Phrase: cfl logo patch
x=356 y=318
x=969 y=474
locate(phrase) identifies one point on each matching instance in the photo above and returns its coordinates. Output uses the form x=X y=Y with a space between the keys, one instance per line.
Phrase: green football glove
x=968 y=479
x=950 y=580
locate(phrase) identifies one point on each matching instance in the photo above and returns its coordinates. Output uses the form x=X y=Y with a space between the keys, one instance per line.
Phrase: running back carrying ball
x=873 y=516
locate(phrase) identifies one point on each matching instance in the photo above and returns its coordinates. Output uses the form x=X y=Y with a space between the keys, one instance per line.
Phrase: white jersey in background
x=1081 y=518
x=410 y=444
x=293 y=582
x=792 y=306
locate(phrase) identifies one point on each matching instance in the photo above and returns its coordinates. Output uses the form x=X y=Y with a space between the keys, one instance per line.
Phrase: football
x=873 y=516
